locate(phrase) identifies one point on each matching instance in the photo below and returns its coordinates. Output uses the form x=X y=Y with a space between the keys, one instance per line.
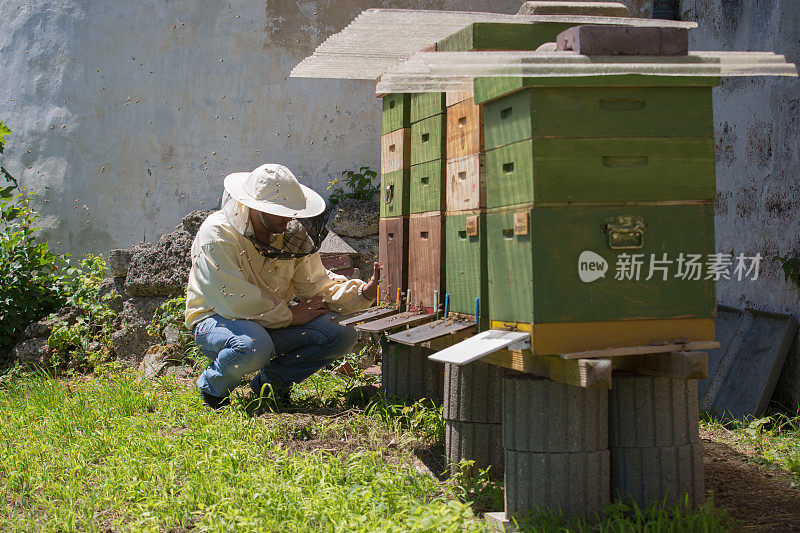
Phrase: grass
x=771 y=440
x=118 y=452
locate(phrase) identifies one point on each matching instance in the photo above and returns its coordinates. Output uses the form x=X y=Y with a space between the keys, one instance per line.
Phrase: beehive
x=622 y=168
x=395 y=193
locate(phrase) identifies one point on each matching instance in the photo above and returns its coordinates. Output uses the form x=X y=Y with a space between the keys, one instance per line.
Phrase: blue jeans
x=283 y=356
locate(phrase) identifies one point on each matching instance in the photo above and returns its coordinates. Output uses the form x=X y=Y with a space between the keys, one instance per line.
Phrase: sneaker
x=215 y=402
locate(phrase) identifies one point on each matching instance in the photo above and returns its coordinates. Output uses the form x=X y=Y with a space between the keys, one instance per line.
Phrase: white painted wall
x=137 y=110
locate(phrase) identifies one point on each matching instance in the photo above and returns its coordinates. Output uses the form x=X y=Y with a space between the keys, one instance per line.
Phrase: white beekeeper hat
x=275 y=190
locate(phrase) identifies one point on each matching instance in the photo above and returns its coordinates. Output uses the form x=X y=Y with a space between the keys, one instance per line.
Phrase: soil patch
x=759 y=497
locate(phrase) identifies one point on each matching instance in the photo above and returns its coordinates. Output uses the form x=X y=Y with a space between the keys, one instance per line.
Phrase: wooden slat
x=467 y=276
x=643 y=350
x=464 y=131
x=432 y=330
x=466 y=182
x=396 y=150
x=424 y=105
x=370 y=314
x=395 y=191
x=396 y=112
x=393 y=255
x=454 y=97
x=391 y=323
x=677 y=365
x=440 y=343
x=587 y=373
x=427 y=189
x=426 y=258
x=427 y=139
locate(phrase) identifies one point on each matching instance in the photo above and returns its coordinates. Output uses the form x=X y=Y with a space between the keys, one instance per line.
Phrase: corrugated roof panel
x=378 y=38
x=451 y=71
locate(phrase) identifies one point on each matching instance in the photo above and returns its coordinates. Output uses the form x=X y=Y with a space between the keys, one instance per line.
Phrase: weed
x=360 y=184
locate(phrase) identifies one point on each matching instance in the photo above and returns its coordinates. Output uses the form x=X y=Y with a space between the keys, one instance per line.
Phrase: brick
x=337 y=261
x=621 y=40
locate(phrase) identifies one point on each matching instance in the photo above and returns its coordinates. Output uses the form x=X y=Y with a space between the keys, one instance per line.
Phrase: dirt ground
x=761 y=498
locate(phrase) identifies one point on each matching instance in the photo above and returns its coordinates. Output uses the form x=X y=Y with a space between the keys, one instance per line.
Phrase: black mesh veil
x=302 y=236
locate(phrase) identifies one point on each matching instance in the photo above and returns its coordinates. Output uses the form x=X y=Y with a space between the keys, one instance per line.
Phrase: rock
x=176 y=335
x=132 y=341
x=118 y=262
x=162 y=269
x=44 y=327
x=355 y=218
x=140 y=310
x=115 y=289
x=194 y=220
x=181 y=372
x=367 y=249
x=33 y=352
x=41 y=329
x=159 y=358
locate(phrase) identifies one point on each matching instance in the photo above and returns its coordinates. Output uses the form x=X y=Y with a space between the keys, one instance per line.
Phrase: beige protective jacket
x=230 y=278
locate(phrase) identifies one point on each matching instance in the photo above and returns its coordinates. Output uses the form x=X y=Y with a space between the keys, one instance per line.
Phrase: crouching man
x=250 y=259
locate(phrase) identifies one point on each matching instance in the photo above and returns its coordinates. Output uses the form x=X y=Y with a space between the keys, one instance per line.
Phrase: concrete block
x=540 y=415
x=652 y=474
x=652 y=411
x=473 y=392
x=620 y=40
x=408 y=373
x=478 y=442
x=577 y=484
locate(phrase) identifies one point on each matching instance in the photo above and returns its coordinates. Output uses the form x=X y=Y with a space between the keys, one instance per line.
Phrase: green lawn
x=118 y=452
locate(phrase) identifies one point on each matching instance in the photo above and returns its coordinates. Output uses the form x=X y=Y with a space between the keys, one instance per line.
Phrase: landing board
x=481 y=345
x=432 y=330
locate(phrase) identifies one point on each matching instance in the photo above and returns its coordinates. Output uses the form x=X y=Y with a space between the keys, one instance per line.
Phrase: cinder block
x=652 y=411
x=473 y=393
x=540 y=415
x=577 y=484
x=479 y=442
x=408 y=373
x=622 y=40
x=653 y=474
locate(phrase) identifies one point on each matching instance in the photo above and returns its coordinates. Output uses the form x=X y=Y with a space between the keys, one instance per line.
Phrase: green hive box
x=424 y=105
x=395 y=193
x=534 y=271
x=467 y=276
x=396 y=112
x=428 y=139
x=501 y=36
x=427 y=191
x=597 y=143
x=546 y=170
x=604 y=165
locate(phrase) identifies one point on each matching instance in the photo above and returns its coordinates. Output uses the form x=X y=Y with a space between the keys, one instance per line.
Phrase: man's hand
x=371 y=288
x=308 y=310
